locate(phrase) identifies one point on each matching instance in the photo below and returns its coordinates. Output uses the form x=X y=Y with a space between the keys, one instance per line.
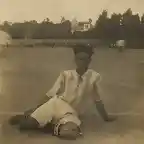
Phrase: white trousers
x=53 y=110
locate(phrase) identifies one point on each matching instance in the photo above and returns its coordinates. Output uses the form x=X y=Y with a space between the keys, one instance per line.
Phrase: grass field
x=27 y=74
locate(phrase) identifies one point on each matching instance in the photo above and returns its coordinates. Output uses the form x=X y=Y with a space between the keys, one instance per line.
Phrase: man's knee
x=29 y=123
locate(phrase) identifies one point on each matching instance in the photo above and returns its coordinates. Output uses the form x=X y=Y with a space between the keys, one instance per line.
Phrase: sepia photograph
x=71 y=71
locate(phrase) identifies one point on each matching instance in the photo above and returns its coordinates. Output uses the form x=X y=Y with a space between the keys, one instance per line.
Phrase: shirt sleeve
x=58 y=86
x=96 y=87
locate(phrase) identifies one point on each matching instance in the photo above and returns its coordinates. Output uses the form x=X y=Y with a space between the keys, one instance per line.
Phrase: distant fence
x=57 y=42
x=68 y=42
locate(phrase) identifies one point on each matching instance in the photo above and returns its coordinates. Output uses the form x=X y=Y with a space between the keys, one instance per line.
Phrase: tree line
x=126 y=26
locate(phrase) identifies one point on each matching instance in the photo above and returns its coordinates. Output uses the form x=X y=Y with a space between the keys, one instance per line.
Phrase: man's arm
x=99 y=104
x=57 y=88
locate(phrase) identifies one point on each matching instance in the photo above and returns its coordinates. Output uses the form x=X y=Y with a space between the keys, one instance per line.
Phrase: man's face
x=82 y=60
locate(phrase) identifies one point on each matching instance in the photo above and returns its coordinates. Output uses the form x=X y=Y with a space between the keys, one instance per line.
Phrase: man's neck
x=81 y=71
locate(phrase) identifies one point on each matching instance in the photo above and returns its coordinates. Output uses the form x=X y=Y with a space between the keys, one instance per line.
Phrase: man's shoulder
x=67 y=73
x=93 y=72
x=95 y=76
x=73 y=71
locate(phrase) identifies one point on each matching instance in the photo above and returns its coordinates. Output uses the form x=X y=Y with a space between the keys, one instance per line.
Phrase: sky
x=20 y=10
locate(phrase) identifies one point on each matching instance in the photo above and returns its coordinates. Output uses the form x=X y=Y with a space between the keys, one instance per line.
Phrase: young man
x=68 y=95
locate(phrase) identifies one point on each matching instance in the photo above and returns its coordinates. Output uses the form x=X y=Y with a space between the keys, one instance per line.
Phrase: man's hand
x=110 y=118
x=106 y=117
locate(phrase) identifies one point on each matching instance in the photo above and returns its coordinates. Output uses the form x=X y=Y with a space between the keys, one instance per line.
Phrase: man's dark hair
x=87 y=48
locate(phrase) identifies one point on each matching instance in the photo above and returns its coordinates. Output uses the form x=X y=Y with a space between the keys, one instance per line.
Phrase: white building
x=83 y=26
x=80 y=26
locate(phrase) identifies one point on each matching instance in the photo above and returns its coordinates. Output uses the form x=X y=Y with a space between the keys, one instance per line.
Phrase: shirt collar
x=82 y=75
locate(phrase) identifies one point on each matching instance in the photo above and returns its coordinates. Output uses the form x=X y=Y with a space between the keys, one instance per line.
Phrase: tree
x=142 y=25
x=101 y=25
x=46 y=20
x=114 y=27
x=90 y=20
x=6 y=26
x=17 y=30
x=63 y=19
x=33 y=22
x=142 y=19
x=126 y=22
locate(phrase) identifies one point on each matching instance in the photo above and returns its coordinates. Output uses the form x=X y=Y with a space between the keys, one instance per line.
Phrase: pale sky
x=20 y=10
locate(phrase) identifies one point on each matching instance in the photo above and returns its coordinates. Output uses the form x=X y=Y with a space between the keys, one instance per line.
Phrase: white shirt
x=74 y=90
x=70 y=94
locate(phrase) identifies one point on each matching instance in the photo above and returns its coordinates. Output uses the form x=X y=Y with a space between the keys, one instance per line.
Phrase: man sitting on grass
x=63 y=102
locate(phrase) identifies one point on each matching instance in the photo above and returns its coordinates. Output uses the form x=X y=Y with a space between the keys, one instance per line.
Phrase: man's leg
x=15 y=120
x=28 y=123
x=48 y=128
x=39 y=118
x=24 y=122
